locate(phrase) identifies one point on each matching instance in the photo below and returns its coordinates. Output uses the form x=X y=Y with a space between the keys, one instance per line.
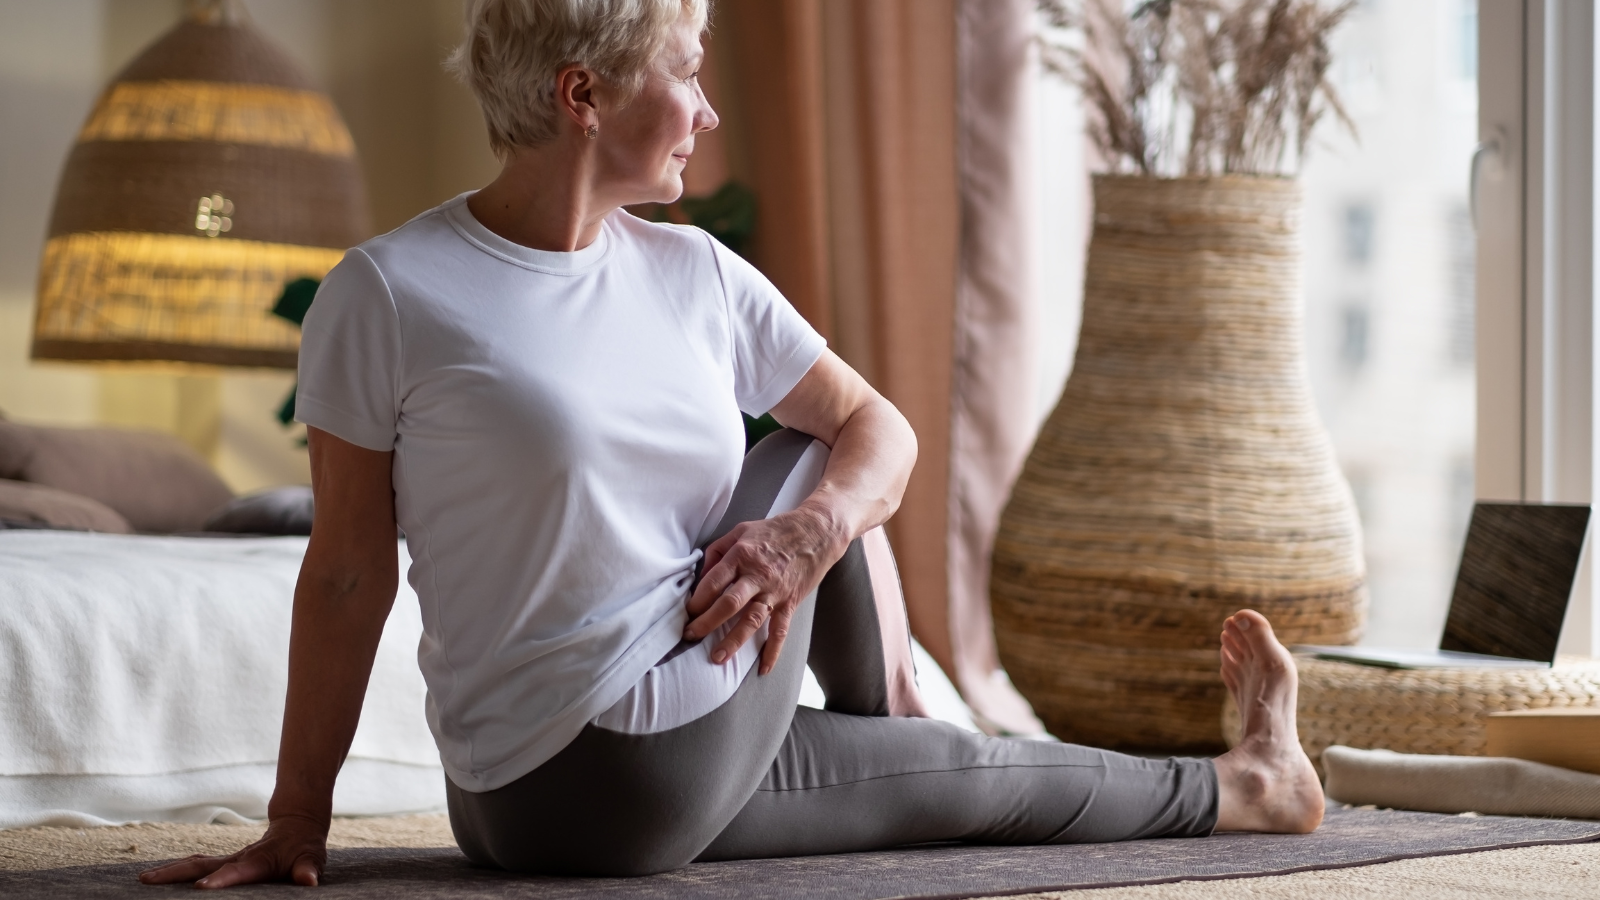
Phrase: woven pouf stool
x=1439 y=711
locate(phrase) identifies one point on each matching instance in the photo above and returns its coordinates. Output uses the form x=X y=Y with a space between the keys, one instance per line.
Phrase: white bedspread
x=144 y=680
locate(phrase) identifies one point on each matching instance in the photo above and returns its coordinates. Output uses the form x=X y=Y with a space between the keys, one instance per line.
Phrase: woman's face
x=644 y=145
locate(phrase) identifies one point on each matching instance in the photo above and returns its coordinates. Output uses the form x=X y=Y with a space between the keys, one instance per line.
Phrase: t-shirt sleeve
x=350 y=356
x=773 y=346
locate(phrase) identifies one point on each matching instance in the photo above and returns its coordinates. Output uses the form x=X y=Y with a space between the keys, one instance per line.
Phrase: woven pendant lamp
x=209 y=175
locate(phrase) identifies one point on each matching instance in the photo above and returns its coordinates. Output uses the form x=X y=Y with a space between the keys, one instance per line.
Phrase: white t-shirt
x=565 y=429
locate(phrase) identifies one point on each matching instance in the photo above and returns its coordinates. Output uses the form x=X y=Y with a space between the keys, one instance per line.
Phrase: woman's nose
x=706 y=118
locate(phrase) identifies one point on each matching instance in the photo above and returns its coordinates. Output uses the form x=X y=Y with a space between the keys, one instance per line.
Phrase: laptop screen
x=1515 y=579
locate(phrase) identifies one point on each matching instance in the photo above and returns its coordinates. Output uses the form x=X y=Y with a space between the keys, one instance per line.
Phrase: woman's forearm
x=338 y=620
x=873 y=449
x=867 y=471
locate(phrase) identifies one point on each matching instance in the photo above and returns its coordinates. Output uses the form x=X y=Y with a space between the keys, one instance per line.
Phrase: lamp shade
x=209 y=175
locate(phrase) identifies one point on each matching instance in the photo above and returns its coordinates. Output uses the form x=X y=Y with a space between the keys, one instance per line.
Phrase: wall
x=418 y=133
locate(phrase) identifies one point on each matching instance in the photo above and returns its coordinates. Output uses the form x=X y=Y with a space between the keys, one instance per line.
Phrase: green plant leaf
x=729 y=214
x=296 y=299
x=293 y=304
x=756 y=429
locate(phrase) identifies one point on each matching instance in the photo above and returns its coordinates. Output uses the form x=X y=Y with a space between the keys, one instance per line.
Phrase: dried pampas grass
x=1199 y=87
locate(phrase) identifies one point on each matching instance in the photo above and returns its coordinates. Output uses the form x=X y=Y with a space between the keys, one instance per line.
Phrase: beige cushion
x=35 y=504
x=153 y=480
x=1494 y=785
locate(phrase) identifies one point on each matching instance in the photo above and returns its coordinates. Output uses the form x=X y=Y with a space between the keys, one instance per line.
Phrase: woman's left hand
x=760 y=571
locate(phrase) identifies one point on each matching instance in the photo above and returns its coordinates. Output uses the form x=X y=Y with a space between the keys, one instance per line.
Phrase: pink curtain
x=992 y=394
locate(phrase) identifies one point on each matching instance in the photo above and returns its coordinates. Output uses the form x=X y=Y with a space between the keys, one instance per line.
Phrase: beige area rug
x=55 y=848
x=1554 y=872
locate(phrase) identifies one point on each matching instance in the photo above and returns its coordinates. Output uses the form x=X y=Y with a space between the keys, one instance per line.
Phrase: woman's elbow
x=908 y=437
x=343 y=581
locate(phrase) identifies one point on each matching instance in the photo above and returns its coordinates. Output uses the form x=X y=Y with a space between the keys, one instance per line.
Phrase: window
x=1466 y=38
x=1462 y=278
x=1389 y=298
x=1536 y=272
x=1353 y=348
x=1358 y=225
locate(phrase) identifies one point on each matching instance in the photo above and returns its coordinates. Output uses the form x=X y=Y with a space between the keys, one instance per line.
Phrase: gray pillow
x=285 y=510
x=154 y=481
x=33 y=505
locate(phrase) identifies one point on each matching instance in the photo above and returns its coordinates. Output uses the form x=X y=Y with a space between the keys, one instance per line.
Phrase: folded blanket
x=1455 y=784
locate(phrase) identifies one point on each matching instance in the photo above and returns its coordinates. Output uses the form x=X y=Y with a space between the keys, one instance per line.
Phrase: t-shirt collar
x=550 y=261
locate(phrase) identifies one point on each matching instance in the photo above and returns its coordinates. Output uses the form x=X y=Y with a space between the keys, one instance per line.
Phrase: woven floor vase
x=1184 y=474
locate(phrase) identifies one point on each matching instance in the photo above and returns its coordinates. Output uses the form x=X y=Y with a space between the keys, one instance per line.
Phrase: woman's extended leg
x=847 y=783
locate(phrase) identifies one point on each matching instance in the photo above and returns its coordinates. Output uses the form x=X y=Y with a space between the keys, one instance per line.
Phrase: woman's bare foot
x=1267 y=782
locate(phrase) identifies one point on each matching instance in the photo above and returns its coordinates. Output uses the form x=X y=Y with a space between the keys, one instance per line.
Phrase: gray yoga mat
x=1347 y=838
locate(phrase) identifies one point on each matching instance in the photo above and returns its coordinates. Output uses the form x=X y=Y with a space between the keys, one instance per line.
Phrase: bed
x=145 y=679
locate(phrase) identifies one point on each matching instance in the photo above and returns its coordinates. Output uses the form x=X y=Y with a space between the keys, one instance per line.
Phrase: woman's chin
x=670 y=190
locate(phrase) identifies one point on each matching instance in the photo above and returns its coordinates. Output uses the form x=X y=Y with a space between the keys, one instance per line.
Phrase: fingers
x=250 y=865
x=752 y=573
x=720 y=547
x=751 y=618
x=306 y=872
x=187 y=869
x=247 y=869
x=714 y=578
x=775 y=638
x=729 y=603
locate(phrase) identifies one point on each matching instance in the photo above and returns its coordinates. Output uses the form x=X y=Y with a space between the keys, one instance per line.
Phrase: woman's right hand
x=293 y=849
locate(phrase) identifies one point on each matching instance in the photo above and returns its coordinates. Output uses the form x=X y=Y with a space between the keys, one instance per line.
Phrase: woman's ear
x=576 y=89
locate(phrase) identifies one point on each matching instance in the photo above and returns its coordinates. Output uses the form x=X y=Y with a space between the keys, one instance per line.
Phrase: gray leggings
x=760 y=777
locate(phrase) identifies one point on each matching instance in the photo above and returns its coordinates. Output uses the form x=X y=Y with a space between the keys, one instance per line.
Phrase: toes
x=1242 y=622
x=1230 y=672
x=1254 y=627
x=1236 y=645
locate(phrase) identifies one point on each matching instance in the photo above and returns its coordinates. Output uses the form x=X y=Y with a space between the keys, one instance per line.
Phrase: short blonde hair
x=513 y=49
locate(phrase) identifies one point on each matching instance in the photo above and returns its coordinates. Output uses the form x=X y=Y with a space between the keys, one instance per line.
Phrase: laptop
x=1511 y=593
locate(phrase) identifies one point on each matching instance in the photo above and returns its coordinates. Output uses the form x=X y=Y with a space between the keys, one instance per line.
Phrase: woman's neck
x=544 y=199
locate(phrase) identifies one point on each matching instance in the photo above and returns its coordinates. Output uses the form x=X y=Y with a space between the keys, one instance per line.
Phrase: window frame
x=1534 y=210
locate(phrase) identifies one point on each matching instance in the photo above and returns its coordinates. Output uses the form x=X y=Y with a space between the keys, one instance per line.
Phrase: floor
x=1538 y=873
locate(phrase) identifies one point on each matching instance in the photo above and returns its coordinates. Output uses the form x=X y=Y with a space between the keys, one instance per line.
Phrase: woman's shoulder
x=425 y=229
x=665 y=237
x=375 y=273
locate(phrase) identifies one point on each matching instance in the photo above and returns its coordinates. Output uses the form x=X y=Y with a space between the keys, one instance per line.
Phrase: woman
x=544 y=393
